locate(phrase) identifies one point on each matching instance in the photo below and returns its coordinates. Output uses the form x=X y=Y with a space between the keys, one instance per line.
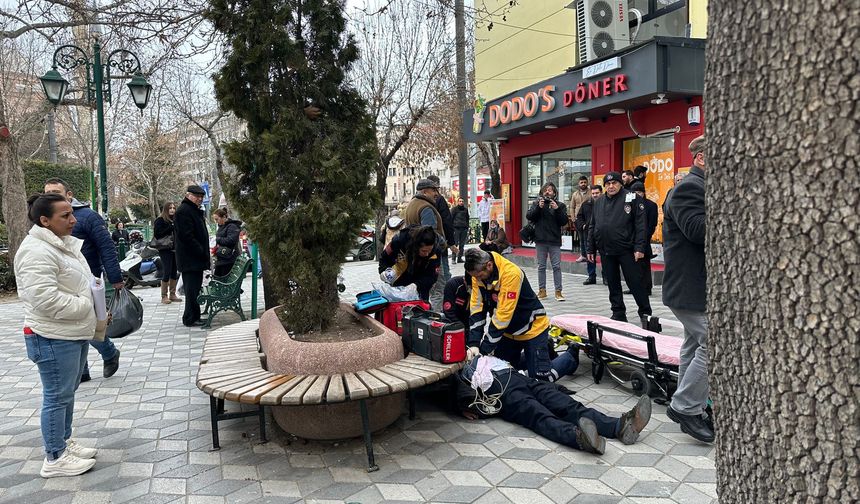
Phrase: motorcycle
x=141 y=266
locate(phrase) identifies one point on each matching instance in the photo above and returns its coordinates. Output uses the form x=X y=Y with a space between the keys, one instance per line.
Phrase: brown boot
x=164 y=298
x=173 y=296
x=541 y=293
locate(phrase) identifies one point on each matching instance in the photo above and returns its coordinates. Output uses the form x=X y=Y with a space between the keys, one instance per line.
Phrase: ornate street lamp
x=69 y=57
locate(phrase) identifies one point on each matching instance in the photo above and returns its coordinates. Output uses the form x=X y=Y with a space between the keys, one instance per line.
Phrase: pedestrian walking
x=548 y=216
x=650 y=227
x=618 y=230
x=685 y=293
x=460 y=218
x=192 y=250
x=100 y=252
x=227 y=245
x=413 y=257
x=582 y=223
x=484 y=213
x=119 y=232
x=577 y=199
x=55 y=285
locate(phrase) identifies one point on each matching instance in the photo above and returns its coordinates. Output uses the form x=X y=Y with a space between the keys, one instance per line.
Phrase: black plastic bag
x=126 y=314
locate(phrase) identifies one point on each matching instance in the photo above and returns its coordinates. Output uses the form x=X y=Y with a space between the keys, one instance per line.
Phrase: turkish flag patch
x=512 y=295
x=446 y=305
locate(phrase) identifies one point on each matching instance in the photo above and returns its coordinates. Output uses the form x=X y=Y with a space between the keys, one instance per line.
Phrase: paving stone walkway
x=151 y=426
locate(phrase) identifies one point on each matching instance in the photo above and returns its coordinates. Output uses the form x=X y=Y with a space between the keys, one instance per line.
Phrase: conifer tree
x=301 y=180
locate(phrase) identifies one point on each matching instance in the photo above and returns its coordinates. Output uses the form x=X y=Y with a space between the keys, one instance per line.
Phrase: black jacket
x=227 y=236
x=618 y=225
x=119 y=233
x=583 y=217
x=455 y=304
x=447 y=220
x=422 y=271
x=161 y=228
x=460 y=217
x=548 y=222
x=191 y=238
x=685 y=277
x=650 y=218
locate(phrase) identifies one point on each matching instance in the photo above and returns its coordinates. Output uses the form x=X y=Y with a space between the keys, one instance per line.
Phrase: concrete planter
x=338 y=421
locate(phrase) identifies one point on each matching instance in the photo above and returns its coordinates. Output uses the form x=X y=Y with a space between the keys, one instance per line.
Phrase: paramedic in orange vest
x=518 y=326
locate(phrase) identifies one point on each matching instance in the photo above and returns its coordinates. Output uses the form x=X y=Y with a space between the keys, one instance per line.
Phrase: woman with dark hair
x=119 y=232
x=163 y=229
x=227 y=247
x=55 y=285
x=413 y=257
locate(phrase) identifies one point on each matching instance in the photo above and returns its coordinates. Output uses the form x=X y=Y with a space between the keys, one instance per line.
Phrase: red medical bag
x=392 y=315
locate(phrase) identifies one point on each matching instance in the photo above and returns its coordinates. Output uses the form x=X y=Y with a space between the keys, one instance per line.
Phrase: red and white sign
x=483 y=184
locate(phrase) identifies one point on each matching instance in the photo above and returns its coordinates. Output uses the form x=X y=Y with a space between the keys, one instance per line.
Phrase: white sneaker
x=67 y=465
x=79 y=450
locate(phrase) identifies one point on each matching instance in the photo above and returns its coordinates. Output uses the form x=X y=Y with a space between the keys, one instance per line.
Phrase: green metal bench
x=225 y=293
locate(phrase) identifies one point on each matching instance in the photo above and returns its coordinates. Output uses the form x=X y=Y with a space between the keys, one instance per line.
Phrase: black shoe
x=111 y=365
x=590 y=281
x=620 y=317
x=587 y=437
x=709 y=417
x=693 y=425
x=634 y=421
x=85 y=377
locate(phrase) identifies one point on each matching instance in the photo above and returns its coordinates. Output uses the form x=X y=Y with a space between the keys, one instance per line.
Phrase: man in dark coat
x=460 y=218
x=583 y=219
x=684 y=292
x=618 y=230
x=192 y=250
x=100 y=252
x=650 y=227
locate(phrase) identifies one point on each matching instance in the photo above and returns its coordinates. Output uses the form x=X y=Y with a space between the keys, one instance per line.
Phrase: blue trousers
x=60 y=364
x=531 y=355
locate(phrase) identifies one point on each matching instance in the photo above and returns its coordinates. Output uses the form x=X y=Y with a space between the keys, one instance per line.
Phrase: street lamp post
x=69 y=57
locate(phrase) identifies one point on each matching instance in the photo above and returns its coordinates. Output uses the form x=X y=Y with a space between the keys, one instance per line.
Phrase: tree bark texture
x=783 y=248
x=14 y=193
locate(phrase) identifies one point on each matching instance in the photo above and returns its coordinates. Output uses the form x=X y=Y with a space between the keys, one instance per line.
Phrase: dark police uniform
x=618 y=229
x=455 y=304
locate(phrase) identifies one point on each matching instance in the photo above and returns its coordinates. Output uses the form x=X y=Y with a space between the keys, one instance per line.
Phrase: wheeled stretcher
x=642 y=360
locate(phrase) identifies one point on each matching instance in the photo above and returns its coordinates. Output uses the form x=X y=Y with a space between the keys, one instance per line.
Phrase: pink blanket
x=668 y=347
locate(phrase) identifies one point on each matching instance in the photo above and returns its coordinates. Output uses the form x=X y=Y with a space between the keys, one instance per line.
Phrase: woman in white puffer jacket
x=55 y=284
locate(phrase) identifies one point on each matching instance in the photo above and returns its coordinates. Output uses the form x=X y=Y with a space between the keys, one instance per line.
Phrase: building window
x=658 y=155
x=562 y=168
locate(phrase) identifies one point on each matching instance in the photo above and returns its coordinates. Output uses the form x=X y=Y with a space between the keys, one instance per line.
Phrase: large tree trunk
x=782 y=249
x=14 y=193
x=490 y=157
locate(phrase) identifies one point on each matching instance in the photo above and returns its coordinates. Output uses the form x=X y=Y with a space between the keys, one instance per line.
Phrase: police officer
x=618 y=230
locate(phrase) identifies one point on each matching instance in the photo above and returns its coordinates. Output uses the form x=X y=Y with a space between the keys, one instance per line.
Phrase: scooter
x=364 y=247
x=141 y=266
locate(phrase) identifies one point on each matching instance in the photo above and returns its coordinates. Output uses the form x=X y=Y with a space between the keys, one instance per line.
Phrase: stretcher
x=642 y=360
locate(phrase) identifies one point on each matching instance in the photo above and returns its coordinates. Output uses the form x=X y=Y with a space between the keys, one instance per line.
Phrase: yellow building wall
x=536 y=41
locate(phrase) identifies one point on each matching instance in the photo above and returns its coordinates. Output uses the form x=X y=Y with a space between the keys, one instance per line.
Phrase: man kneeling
x=490 y=386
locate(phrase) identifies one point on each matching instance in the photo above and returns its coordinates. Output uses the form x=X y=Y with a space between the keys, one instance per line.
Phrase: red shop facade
x=641 y=106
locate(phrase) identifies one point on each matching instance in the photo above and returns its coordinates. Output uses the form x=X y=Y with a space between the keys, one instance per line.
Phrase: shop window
x=562 y=168
x=658 y=155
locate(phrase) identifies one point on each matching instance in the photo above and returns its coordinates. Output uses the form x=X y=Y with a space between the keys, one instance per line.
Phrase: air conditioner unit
x=602 y=28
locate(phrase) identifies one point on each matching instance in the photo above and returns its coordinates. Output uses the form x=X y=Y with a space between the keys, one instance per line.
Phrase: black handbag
x=163 y=243
x=527 y=233
x=223 y=252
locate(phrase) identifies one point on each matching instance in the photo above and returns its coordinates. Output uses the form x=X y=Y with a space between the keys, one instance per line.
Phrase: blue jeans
x=105 y=348
x=60 y=365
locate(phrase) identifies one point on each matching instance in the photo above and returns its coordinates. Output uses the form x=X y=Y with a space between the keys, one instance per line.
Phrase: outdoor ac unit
x=602 y=28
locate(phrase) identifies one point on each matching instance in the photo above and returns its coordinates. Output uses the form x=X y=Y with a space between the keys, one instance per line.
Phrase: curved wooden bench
x=232 y=369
